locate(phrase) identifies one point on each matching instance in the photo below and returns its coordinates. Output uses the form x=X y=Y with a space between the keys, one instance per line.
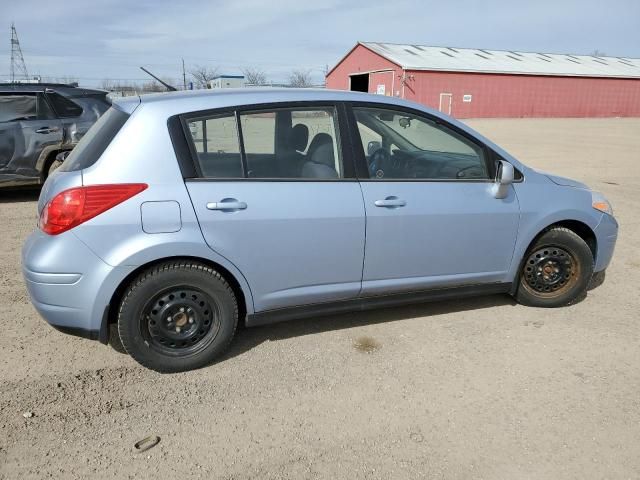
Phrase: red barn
x=470 y=83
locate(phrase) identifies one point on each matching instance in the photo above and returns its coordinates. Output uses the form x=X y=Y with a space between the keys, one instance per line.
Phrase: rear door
x=277 y=197
x=432 y=220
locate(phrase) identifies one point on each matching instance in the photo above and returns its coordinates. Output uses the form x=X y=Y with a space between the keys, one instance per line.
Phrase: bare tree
x=201 y=75
x=254 y=76
x=121 y=88
x=107 y=84
x=153 y=86
x=598 y=53
x=300 y=78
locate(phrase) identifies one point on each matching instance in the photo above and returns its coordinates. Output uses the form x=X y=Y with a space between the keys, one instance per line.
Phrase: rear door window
x=16 y=108
x=215 y=139
x=292 y=143
x=298 y=142
x=95 y=141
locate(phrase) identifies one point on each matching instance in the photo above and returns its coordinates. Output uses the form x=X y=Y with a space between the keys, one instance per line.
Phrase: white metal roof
x=420 y=57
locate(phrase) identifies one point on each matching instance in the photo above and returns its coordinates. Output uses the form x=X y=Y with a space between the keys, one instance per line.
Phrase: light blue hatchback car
x=180 y=214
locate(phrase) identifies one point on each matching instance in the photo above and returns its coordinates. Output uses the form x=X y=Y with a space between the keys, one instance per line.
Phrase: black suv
x=39 y=122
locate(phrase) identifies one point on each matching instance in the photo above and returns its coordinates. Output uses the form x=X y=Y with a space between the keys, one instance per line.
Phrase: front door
x=431 y=219
x=281 y=204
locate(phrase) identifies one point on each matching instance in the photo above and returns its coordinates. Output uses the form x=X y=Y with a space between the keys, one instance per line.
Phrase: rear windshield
x=95 y=141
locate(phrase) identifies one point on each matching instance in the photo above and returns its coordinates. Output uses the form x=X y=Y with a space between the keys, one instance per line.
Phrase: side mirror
x=504 y=177
x=372 y=147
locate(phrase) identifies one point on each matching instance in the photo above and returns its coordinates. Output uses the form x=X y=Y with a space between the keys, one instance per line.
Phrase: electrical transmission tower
x=18 y=67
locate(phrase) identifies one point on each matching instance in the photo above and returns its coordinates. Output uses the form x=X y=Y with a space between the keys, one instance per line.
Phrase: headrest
x=324 y=155
x=319 y=139
x=299 y=137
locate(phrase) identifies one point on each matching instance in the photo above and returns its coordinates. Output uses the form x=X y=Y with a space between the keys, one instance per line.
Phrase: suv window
x=95 y=141
x=18 y=107
x=400 y=145
x=63 y=106
x=44 y=109
x=217 y=146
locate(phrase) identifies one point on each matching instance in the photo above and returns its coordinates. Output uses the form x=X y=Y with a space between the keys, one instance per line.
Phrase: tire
x=114 y=339
x=177 y=316
x=556 y=270
x=53 y=166
x=55 y=163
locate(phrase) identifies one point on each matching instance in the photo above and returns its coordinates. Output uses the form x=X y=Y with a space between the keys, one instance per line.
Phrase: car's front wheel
x=556 y=270
x=177 y=316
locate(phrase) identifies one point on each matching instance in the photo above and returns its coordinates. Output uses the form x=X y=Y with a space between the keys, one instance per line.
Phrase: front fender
x=542 y=204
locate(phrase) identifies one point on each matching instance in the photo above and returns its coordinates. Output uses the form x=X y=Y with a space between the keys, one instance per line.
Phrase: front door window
x=403 y=146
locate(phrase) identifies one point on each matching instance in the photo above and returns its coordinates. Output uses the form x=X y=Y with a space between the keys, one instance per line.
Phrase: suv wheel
x=56 y=162
x=556 y=270
x=177 y=316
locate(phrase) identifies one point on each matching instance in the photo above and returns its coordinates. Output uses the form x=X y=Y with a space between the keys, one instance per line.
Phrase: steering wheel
x=378 y=163
x=462 y=172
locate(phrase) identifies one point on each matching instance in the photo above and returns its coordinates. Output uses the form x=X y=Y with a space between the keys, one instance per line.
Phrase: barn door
x=445 y=103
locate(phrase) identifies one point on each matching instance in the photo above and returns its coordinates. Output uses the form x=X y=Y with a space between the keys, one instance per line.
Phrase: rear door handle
x=390 y=202
x=227 y=204
x=47 y=130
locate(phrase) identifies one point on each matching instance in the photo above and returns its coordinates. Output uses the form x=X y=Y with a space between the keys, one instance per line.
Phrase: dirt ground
x=467 y=389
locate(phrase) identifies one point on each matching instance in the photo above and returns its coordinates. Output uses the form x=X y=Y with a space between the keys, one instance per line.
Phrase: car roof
x=197 y=100
x=62 y=88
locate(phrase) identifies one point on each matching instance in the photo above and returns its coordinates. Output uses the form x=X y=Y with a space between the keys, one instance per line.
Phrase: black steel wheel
x=550 y=271
x=177 y=316
x=180 y=321
x=556 y=271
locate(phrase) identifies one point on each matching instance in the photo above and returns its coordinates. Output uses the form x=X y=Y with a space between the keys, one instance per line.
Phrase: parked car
x=39 y=122
x=179 y=215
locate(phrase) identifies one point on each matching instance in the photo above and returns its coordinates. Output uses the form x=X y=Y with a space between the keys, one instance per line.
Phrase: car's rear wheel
x=556 y=270
x=177 y=316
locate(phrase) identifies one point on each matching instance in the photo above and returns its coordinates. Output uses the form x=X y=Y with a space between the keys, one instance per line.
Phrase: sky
x=95 y=40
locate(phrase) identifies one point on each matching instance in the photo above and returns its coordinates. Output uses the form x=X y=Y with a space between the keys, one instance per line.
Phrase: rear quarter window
x=64 y=107
x=95 y=141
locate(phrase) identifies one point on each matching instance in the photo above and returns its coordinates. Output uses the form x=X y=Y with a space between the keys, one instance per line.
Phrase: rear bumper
x=606 y=237
x=69 y=285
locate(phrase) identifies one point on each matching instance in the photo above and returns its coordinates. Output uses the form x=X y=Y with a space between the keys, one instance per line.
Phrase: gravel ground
x=480 y=388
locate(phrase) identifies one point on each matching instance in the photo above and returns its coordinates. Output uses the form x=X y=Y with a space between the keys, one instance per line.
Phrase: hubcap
x=180 y=321
x=550 y=271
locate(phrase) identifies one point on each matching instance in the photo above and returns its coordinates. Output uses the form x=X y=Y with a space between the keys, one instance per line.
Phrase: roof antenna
x=168 y=87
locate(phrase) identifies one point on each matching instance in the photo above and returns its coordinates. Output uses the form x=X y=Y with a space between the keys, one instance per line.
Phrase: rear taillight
x=72 y=207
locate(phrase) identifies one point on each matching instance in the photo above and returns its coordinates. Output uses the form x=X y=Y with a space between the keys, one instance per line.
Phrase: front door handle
x=227 y=204
x=390 y=202
x=47 y=130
